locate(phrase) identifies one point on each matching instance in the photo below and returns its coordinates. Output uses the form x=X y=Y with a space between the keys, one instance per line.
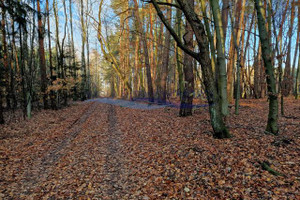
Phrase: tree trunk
x=288 y=78
x=145 y=46
x=42 y=56
x=238 y=65
x=267 y=57
x=3 y=69
x=186 y=104
x=239 y=20
x=221 y=62
x=52 y=76
x=225 y=10
x=75 y=96
x=165 y=63
x=83 y=65
x=297 y=77
x=1 y=106
x=210 y=38
x=178 y=60
x=136 y=69
x=203 y=57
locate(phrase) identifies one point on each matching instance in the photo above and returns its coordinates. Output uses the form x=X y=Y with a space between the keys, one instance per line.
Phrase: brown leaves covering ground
x=99 y=151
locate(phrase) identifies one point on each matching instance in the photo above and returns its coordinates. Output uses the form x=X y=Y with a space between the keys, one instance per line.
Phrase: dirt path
x=127 y=104
x=87 y=155
x=43 y=166
x=113 y=163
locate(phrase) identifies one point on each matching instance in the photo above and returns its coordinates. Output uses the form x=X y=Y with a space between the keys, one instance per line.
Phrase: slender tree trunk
x=165 y=62
x=136 y=69
x=225 y=10
x=279 y=57
x=73 y=51
x=239 y=20
x=3 y=69
x=296 y=90
x=1 y=104
x=88 y=51
x=145 y=46
x=238 y=65
x=42 y=56
x=287 y=78
x=52 y=77
x=15 y=55
x=210 y=38
x=12 y=74
x=23 y=78
x=178 y=60
x=83 y=65
x=267 y=57
x=221 y=62
x=297 y=76
x=295 y=55
x=58 y=49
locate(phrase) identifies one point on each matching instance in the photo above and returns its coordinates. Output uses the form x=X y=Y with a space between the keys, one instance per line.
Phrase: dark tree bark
x=186 y=104
x=4 y=66
x=1 y=106
x=271 y=81
x=42 y=56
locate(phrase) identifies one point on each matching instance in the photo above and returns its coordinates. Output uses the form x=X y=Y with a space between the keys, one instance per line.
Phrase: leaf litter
x=100 y=151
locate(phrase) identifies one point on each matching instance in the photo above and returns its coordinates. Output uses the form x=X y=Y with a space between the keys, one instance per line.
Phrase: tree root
x=266 y=166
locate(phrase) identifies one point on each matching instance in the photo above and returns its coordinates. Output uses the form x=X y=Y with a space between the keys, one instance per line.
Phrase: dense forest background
x=56 y=51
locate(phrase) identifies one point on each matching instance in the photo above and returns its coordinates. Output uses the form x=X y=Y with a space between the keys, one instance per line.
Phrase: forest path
x=86 y=156
x=114 y=161
x=127 y=104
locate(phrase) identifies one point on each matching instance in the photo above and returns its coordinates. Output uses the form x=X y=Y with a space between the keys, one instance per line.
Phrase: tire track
x=41 y=169
x=114 y=164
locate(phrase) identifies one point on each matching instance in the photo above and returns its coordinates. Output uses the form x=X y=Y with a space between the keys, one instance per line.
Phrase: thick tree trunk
x=42 y=56
x=271 y=81
x=186 y=105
